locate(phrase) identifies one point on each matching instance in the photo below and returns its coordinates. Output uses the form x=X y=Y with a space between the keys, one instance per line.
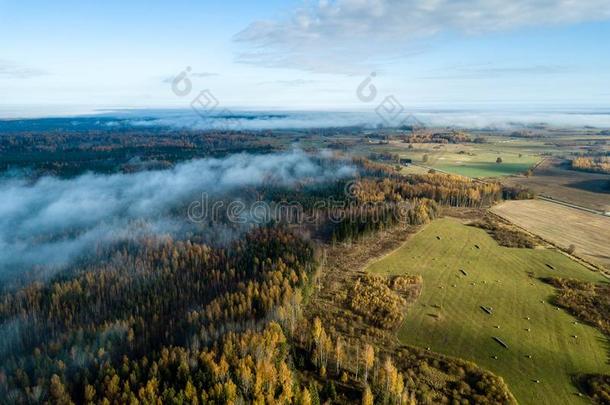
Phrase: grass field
x=481 y=164
x=472 y=160
x=563 y=226
x=448 y=317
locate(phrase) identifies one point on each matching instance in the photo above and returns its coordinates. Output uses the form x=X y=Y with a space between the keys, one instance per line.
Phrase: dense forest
x=69 y=153
x=139 y=322
x=445 y=189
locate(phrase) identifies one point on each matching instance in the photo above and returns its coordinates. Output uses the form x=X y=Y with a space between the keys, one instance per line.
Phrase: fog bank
x=51 y=221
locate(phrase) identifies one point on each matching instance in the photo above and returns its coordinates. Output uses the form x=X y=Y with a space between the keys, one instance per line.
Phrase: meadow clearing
x=463 y=270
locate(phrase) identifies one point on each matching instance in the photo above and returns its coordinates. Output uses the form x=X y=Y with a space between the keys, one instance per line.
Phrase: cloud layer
x=469 y=119
x=347 y=35
x=12 y=70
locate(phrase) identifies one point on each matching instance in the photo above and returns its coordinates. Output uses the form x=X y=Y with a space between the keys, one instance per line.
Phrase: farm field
x=590 y=190
x=563 y=226
x=448 y=317
x=471 y=160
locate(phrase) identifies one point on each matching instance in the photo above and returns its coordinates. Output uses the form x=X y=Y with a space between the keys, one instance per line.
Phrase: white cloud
x=349 y=35
x=290 y=83
x=170 y=79
x=496 y=72
x=466 y=118
x=14 y=71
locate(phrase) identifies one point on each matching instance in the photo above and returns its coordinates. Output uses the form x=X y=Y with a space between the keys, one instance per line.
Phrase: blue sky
x=305 y=55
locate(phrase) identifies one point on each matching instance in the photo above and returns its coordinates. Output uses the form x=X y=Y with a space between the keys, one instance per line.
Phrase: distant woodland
x=599 y=164
x=68 y=153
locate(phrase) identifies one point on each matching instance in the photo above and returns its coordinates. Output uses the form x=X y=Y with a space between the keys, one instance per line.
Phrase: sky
x=309 y=55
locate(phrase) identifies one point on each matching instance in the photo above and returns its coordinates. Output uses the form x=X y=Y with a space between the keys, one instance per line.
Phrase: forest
x=596 y=164
x=70 y=153
x=162 y=319
x=424 y=136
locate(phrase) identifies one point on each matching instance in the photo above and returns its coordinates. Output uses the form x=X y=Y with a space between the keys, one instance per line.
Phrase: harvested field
x=553 y=179
x=562 y=226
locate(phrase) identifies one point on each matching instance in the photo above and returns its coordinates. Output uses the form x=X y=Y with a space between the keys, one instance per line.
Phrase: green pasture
x=448 y=317
x=473 y=161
